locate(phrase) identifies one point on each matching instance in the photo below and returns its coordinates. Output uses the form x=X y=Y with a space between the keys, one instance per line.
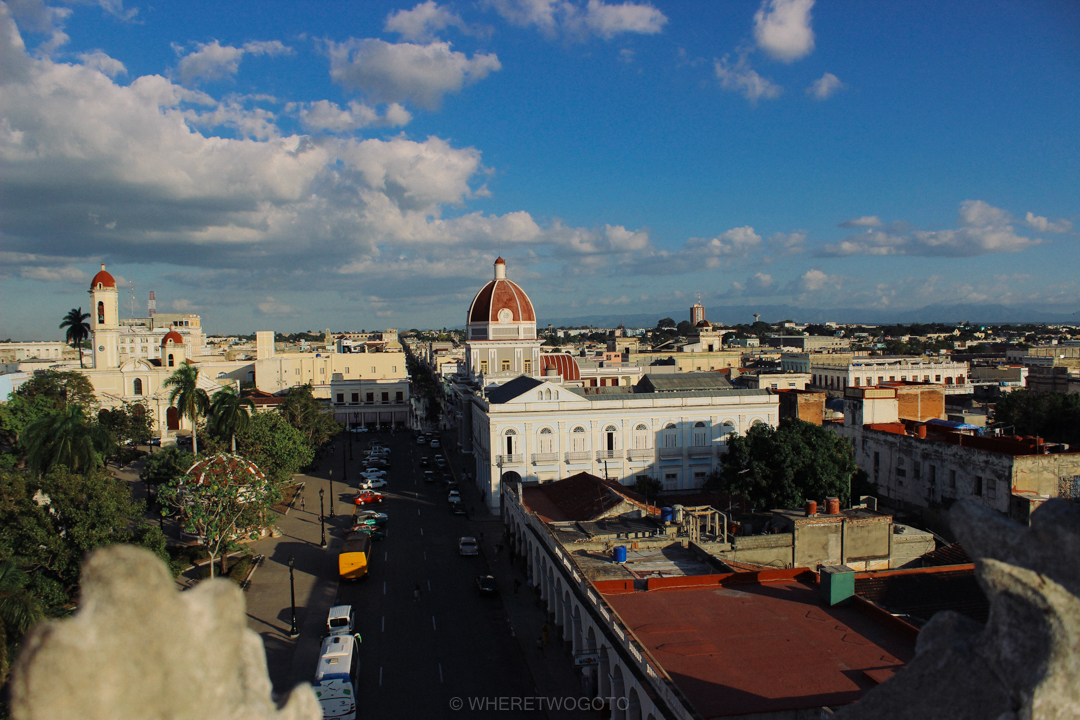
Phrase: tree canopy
x=77 y=329
x=187 y=397
x=1052 y=416
x=301 y=410
x=66 y=437
x=278 y=448
x=786 y=466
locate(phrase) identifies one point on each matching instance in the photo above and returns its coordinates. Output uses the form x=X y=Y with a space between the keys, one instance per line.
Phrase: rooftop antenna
x=131 y=312
x=151 y=305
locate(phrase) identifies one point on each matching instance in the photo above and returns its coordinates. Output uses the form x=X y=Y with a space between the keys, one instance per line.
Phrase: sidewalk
x=552 y=672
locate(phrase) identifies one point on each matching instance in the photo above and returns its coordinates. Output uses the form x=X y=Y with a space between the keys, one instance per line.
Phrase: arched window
x=547 y=441
x=727 y=430
x=136 y=387
x=101 y=313
x=579 y=440
x=701 y=434
x=510 y=441
x=170 y=360
x=610 y=434
x=539 y=394
x=671 y=436
x=556 y=394
x=222 y=375
x=641 y=436
x=547 y=394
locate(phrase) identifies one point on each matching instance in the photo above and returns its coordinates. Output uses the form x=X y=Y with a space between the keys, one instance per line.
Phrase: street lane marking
x=386 y=555
x=425 y=554
x=380 y=676
x=440 y=672
x=384 y=623
x=433 y=627
x=421 y=531
x=429 y=586
x=383 y=587
x=417 y=511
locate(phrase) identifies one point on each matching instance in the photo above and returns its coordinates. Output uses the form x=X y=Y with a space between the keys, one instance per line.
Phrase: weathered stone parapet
x=137 y=649
x=1025 y=662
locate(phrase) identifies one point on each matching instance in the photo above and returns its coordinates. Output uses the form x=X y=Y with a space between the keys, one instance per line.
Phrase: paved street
x=417 y=655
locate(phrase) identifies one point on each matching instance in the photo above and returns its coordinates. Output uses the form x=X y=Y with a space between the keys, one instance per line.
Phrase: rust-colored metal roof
x=564 y=364
x=758 y=648
x=176 y=338
x=922 y=592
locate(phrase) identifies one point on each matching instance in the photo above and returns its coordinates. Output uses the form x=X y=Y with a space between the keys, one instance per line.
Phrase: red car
x=366 y=497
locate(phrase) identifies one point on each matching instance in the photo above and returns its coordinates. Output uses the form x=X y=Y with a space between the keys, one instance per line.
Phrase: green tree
x=41 y=395
x=222 y=499
x=684 y=328
x=19 y=611
x=77 y=329
x=309 y=416
x=273 y=444
x=1052 y=416
x=786 y=466
x=130 y=422
x=648 y=487
x=66 y=437
x=165 y=467
x=665 y=323
x=229 y=413
x=188 y=398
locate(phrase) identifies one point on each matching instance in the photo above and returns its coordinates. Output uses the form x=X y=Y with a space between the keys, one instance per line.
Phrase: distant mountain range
x=733 y=314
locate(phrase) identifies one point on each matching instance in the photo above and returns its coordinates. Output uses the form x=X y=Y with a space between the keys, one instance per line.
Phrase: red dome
x=564 y=364
x=104 y=278
x=500 y=294
x=177 y=338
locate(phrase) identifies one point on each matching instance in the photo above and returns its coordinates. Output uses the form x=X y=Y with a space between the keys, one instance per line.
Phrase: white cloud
x=598 y=18
x=984 y=229
x=37 y=17
x=214 y=61
x=328 y=116
x=785 y=244
x=1043 y=224
x=423 y=22
x=815 y=280
x=116 y=9
x=272 y=308
x=66 y=274
x=103 y=63
x=389 y=72
x=626 y=55
x=825 y=87
x=866 y=221
x=782 y=29
x=740 y=77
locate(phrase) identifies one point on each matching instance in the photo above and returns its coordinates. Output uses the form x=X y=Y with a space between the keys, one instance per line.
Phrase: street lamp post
x=292 y=596
x=331 y=493
x=322 y=519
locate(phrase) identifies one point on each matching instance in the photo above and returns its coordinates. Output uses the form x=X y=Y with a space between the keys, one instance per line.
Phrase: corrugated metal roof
x=684 y=381
x=509 y=391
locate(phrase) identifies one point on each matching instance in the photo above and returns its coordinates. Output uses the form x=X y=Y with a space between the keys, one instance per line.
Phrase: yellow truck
x=354 y=557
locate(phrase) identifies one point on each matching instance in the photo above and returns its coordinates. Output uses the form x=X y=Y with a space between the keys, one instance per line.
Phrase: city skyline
x=363 y=165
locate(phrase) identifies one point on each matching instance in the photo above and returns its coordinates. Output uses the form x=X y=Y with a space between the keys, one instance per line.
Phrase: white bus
x=336 y=677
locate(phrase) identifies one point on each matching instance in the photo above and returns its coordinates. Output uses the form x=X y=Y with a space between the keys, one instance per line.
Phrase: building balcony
x=510 y=459
x=669 y=452
x=545 y=458
x=641 y=454
x=608 y=455
x=700 y=451
x=578 y=456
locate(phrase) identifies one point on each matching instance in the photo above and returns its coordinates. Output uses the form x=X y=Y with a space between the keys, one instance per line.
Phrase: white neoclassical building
x=500 y=332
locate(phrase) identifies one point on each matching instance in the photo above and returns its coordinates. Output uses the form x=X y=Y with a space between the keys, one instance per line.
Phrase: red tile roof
x=579 y=497
x=564 y=364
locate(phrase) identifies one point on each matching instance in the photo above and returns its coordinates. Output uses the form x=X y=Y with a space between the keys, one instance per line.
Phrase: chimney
x=811 y=508
x=832 y=506
x=920 y=432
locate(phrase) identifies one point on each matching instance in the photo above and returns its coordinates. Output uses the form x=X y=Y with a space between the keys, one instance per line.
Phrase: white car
x=454 y=496
x=434 y=442
x=468 y=546
x=373 y=483
x=372 y=473
x=420 y=440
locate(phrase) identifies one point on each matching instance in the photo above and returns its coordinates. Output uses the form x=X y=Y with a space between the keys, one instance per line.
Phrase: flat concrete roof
x=768 y=647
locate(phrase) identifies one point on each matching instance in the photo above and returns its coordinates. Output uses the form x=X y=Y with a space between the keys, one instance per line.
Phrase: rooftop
x=735 y=647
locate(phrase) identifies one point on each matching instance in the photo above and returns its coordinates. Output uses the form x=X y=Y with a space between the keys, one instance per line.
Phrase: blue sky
x=289 y=165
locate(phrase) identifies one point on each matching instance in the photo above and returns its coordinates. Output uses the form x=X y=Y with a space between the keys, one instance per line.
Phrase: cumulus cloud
x=786 y=244
x=1043 y=224
x=65 y=274
x=984 y=229
x=739 y=77
x=272 y=308
x=327 y=116
x=815 y=280
x=103 y=63
x=554 y=17
x=782 y=29
x=400 y=72
x=825 y=87
x=214 y=61
x=866 y=221
x=423 y=22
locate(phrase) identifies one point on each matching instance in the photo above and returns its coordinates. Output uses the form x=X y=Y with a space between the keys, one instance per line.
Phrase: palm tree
x=77 y=329
x=229 y=413
x=187 y=397
x=66 y=437
x=19 y=611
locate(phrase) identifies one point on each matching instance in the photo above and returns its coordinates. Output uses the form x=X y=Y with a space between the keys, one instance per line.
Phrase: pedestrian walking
x=301 y=503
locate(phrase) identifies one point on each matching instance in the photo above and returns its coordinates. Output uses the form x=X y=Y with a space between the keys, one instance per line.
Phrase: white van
x=341 y=620
x=336 y=676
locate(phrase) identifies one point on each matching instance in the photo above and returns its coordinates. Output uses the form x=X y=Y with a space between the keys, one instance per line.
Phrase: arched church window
x=136 y=387
x=101 y=313
x=170 y=360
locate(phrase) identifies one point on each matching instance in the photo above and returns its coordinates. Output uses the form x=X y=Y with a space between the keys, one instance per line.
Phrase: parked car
x=454 y=496
x=371 y=531
x=486 y=585
x=435 y=442
x=429 y=476
x=424 y=462
x=154 y=442
x=468 y=546
x=341 y=620
x=369 y=517
x=372 y=483
x=368 y=497
x=421 y=440
x=458 y=508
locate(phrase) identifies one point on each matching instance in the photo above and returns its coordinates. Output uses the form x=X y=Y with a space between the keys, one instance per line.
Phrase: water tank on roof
x=620 y=553
x=667 y=514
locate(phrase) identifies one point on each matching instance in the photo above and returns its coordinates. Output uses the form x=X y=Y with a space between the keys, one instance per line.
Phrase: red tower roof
x=500 y=294
x=105 y=279
x=176 y=338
